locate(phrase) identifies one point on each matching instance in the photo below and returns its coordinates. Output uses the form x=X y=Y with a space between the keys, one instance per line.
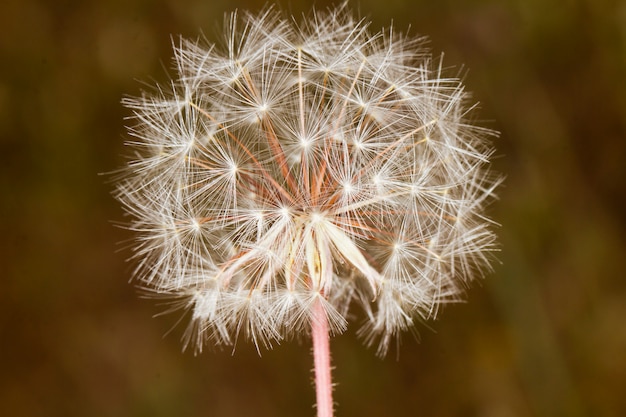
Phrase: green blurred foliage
x=543 y=336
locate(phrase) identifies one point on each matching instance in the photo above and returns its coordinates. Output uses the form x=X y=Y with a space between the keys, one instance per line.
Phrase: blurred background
x=545 y=335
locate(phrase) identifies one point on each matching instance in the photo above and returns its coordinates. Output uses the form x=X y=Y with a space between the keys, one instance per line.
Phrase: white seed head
x=307 y=162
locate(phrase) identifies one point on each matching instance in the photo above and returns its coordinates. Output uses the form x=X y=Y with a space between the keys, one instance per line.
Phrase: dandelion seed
x=304 y=170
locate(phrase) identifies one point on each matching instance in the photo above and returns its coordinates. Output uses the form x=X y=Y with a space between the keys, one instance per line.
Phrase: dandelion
x=299 y=170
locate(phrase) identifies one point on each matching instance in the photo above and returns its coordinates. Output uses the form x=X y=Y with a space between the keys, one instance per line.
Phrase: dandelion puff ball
x=293 y=164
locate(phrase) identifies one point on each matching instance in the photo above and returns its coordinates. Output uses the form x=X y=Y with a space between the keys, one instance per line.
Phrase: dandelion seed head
x=306 y=163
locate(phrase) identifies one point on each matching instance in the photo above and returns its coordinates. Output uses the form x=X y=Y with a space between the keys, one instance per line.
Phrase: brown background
x=543 y=336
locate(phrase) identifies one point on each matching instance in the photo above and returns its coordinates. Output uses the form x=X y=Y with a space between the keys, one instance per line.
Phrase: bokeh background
x=545 y=335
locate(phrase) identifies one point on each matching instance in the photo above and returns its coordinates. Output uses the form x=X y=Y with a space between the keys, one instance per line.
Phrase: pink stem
x=321 y=357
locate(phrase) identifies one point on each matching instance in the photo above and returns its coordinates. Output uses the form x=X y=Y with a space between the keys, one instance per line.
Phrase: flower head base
x=303 y=164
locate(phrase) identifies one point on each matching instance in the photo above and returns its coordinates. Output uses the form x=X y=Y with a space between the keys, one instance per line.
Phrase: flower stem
x=321 y=358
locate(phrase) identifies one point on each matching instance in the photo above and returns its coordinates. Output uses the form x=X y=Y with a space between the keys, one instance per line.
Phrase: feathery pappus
x=294 y=164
